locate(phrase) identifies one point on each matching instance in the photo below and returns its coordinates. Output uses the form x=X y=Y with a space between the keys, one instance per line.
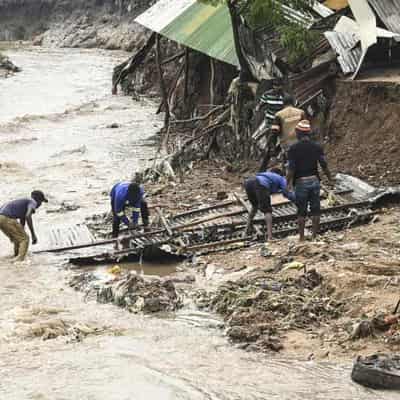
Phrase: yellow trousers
x=16 y=233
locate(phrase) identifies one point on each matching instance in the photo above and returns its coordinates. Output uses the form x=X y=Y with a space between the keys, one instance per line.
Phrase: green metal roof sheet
x=203 y=27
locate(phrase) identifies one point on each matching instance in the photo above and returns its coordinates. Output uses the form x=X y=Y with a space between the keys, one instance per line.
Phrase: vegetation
x=294 y=35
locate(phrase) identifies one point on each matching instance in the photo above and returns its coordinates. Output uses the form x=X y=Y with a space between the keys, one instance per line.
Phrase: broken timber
x=221 y=227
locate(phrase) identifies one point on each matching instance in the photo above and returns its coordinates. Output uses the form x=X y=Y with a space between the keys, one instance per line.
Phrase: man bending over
x=259 y=190
x=14 y=215
x=126 y=196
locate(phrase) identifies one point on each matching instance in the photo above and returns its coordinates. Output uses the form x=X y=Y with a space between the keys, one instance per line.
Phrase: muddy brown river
x=54 y=136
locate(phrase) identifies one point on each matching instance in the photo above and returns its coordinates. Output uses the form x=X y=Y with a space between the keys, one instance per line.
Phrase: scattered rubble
x=130 y=291
x=47 y=323
x=259 y=310
x=7 y=68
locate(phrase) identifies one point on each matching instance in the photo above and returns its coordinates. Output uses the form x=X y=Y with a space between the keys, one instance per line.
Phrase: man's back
x=17 y=209
x=288 y=118
x=304 y=157
x=273 y=181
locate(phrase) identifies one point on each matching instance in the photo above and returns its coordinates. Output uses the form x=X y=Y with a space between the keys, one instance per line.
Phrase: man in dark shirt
x=20 y=210
x=304 y=157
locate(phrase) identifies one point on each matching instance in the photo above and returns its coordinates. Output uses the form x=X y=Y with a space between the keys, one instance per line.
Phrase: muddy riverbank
x=301 y=300
x=55 y=135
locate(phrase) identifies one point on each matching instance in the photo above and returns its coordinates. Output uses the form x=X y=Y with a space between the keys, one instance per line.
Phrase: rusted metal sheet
x=65 y=236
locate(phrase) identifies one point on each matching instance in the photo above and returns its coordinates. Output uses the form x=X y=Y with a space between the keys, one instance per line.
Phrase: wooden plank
x=214 y=244
x=242 y=202
x=203 y=209
x=208 y=219
x=164 y=222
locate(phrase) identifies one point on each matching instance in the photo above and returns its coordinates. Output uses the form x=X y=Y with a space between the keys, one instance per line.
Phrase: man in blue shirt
x=124 y=196
x=259 y=190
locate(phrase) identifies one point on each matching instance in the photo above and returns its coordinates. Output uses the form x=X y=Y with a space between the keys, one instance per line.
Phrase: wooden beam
x=214 y=244
x=164 y=222
x=173 y=58
x=242 y=202
x=163 y=90
x=186 y=77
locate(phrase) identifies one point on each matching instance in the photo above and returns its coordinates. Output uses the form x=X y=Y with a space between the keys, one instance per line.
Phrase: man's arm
x=291 y=171
x=324 y=165
x=277 y=125
x=285 y=191
x=28 y=219
x=261 y=102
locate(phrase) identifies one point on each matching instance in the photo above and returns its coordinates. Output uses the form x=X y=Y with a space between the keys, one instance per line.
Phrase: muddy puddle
x=144 y=269
x=54 y=343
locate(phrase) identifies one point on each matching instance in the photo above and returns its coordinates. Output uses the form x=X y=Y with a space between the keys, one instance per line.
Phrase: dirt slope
x=363 y=131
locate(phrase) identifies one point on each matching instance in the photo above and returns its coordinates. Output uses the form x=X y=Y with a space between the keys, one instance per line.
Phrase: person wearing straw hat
x=303 y=160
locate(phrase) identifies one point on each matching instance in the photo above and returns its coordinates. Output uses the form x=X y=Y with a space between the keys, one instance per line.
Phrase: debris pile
x=258 y=311
x=54 y=328
x=46 y=323
x=379 y=371
x=7 y=67
x=130 y=291
x=388 y=325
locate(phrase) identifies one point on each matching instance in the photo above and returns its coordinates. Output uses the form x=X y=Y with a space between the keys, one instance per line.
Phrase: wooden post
x=212 y=77
x=185 y=87
x=163 y=90
x=164 y=222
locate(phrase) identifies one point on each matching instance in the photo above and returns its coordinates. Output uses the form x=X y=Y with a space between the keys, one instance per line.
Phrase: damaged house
x=350 y=36
x=201 y=56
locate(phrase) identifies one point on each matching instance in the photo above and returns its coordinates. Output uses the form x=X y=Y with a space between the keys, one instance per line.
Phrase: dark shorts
x=258 y=195
x=308 y=194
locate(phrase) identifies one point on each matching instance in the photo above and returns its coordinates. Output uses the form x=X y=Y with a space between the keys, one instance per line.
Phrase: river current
x=55 y=136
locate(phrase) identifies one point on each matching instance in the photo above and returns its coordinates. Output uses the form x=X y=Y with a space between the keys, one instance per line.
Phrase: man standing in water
x=127 y=195
x=304 y=157
x=13 y=216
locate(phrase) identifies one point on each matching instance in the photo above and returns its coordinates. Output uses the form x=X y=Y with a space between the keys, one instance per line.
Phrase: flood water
x=54 y=136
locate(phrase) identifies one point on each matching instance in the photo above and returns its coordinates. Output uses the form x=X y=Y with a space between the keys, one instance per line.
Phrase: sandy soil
x=363 y=131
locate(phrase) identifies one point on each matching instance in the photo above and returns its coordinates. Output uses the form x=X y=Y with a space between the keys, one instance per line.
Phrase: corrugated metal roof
x=345 y=46
x=345 y=40
x=389 y=12
x=301 y=18
x=322 y=10
x=200 y=26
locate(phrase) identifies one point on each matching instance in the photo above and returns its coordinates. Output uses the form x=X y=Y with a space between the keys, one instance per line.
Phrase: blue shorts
x=308 y=194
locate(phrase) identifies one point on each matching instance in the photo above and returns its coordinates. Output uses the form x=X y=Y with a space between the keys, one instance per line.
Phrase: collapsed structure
x=359 y=35
x=218 y=227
